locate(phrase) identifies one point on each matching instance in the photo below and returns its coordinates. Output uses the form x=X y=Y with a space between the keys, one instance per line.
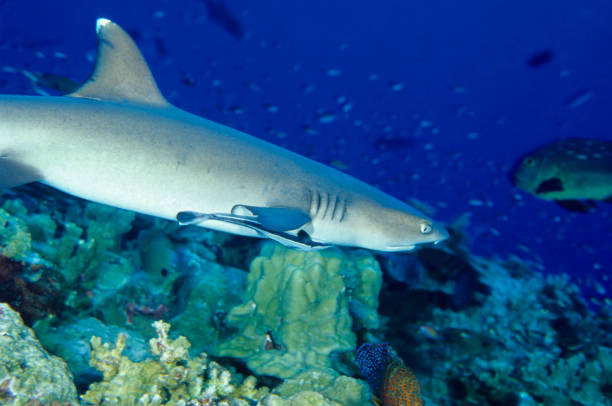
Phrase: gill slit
x=325 y=206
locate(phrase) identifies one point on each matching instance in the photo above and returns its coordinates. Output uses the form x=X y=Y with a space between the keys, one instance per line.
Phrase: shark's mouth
x=400 y=247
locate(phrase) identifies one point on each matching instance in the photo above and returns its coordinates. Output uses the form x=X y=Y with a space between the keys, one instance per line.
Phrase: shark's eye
x=530 y=162
x=425 y=228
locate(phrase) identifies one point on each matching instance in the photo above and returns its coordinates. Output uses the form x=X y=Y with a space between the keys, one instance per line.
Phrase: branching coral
x=172 y=378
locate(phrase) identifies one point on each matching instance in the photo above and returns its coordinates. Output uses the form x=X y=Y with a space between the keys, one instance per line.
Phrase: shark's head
x=398 y=227
x=399 y=230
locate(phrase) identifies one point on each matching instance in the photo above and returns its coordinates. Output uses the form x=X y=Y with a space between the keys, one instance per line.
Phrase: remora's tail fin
x=121 y=72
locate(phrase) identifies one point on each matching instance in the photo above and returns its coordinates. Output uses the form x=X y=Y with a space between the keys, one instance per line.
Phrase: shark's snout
x=439 y=233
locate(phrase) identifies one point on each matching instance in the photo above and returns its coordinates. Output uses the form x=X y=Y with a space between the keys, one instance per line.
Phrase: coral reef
x=34 y=300
x=513 y=335
x=329 y=386
x=475 y=331
x=514 y=338
x=299 y=307
x=28 y=375
x=70 y=341
x=80 y=248
x=16 y=240
x=207 y=292
x=172 y=378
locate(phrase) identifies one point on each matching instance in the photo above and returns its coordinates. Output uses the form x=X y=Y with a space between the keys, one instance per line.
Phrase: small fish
x=343 y=166
x=270 y=343
x=391 y=381
x=572 y=172
x=579 y=98
x=373 y=360
x=540 y=59
x=393 y=143
x=400 y=386
x=429 y=332
x=42 y=80
x=222 y=16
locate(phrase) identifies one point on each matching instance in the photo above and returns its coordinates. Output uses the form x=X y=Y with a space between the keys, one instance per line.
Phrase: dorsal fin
x=121 y=73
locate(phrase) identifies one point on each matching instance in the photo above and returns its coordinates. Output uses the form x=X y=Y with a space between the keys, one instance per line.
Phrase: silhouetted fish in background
x=41 y=81
x=571 y=172
x=392 y=143
x=391 y=381
x=223 y=17
x=540 y=58
x=578 y=98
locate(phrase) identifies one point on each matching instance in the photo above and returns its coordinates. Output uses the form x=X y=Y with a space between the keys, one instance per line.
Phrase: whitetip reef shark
x=116 y=140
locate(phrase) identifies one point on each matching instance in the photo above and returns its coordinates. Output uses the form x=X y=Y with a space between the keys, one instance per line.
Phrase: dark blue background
x=461 y=67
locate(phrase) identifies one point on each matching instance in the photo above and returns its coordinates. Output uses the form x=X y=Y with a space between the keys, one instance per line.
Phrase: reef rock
x=172 y=378
x=28 y=375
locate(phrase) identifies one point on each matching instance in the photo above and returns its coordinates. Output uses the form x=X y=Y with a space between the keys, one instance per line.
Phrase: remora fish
x=570 y=172
x=117 y=141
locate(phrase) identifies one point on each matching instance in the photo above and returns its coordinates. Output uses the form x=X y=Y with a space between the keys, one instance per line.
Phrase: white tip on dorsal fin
x=120 y=73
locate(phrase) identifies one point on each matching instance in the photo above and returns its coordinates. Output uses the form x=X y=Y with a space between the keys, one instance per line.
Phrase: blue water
x=428 y=100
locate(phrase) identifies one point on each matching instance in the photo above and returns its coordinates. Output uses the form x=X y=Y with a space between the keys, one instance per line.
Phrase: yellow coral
x=299 y=309
x=173 y=378
x=15 y=237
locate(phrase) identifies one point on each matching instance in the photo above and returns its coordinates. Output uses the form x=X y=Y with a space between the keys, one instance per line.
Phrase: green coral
x=15 y=237
x=297 y=309
x=28 y=375
x=209 y=292
x=87 y=240
x=331 y=386
x=103 y=227
x=81 y=249
x=157 y=255
x=70 y=341
x=171 y=378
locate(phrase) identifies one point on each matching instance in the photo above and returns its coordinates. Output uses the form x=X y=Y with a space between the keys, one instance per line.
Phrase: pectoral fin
x=15 y=173
x=274 y=218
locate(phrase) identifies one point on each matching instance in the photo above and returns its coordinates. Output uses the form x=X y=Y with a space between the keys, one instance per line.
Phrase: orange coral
x=400 y=386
